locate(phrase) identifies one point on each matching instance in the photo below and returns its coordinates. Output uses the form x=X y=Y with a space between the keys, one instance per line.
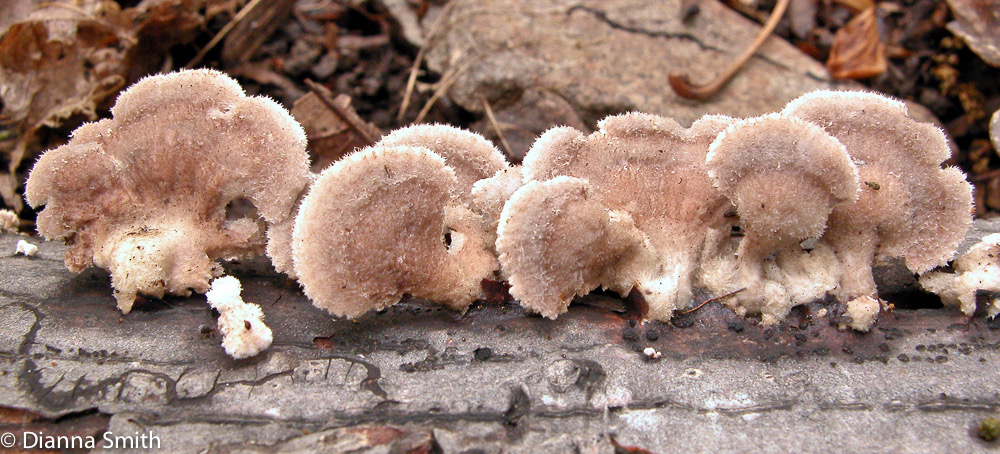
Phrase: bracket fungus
x=144 y=194
x=557 y=241
x=909 y=206
x=485 y=180
x=384 y=222
x=785 y=176
x=647 y=171
x=470 y=155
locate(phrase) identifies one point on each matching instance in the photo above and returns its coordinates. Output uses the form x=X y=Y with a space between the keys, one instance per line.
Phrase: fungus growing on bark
x=785 y=176
x=144 y=194
x=485 y=179
x=976 y=270
x=244 y=333
x=909 y=206
x=384 y=222
x=653 y=170
x=279 y=238
x=491 y=194
x=557 y=241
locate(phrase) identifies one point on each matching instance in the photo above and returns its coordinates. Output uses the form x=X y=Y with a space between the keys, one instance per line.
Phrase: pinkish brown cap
x=384 y=222
x=470 y=155
x=652 y=170
x=784 y=175
x=909 y=206
x=556 y=241
x=144 y=194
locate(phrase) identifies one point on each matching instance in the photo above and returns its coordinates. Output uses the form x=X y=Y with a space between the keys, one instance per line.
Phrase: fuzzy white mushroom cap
x=908 y=205
x=470 y=155
x=784 y=175
x=652 y=170
x=244 y=333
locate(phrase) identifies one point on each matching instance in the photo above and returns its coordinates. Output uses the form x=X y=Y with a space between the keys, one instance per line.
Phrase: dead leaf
x=857 y=52
x=254 y=29
x=977 y=22
x=332 y=126
x=66 y=59
x=857 y=5
x=58 y=63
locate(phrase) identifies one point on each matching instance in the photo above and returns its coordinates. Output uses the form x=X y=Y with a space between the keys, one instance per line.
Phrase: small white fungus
x=244 y=333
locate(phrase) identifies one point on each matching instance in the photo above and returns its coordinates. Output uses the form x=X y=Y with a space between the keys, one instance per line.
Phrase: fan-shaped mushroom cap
x=654 y=170
x=144 y=194
x=785 y=176
x=556 y=241
x=639 y=163
x=471 y=156
x=489 y=197
x=384 y=222
x=909 y=206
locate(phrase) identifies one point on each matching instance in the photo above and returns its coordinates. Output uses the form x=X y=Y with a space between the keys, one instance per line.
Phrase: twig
x=496 y=125
x=368 y=133
x=727 y=295
x=684 y=87
x=222 y=33
x=415 y=69
x=984 y=176
x=443 y=86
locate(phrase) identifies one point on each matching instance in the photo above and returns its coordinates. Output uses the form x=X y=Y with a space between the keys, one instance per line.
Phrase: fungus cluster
x=776 y=211
x=398 y=219
x=147 y=194
x=817 y=193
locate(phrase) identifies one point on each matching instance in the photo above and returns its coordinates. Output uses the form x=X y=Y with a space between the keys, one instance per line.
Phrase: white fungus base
x=863 y=311
x=978 y=269
x=244 y=333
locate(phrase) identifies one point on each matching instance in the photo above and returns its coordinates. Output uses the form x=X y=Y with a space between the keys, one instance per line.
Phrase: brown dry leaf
x=59 y=62
x=857 y=52
x=253 y=30
x=66 y=59
x=332 y=126
x=977 y=22
x=857 y=5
